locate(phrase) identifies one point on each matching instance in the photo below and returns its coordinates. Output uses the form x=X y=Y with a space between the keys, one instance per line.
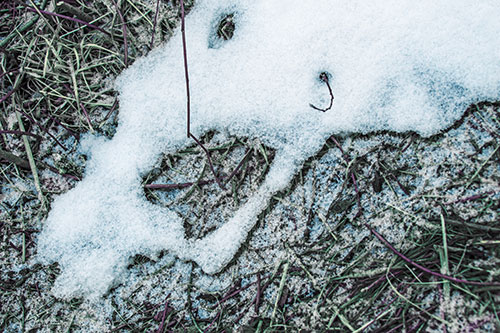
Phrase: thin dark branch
x=258 y=295
x=212 y=322
x=44 y=12
x=124 y=33
x=55 y=170
x=238 y=167
x=188 y=96
x=82 y=107
x=324 y=77
x=177 y=186
x=7 y=95
x=42 y=128
x=426 y=270
x=358 y=197
x=186 y=72
x=113 y=108
x=75 y=135
x=201 y=182
x=344 y=155
x=163 y=316
x=8 y=72
x=209 y=160
x=154 y=24
x=20 y=162
x=20 y=133
x=472 y=198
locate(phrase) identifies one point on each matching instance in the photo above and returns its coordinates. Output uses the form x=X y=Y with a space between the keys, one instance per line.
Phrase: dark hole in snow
x=226 y=27
x=325 y=76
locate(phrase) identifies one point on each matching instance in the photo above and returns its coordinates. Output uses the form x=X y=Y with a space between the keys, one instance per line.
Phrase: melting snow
x=393 y=65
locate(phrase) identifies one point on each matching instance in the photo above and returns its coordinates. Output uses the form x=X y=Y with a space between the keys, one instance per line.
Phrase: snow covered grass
x=309 y=263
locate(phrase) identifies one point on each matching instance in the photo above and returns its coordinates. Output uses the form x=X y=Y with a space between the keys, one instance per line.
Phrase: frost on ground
x=398 y=66
x=335 y=266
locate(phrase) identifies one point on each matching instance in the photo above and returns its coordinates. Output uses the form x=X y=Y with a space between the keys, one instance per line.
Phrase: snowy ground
x=310 y=262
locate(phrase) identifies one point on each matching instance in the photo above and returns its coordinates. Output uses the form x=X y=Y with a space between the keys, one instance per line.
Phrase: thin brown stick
x=82 y=107
x=20 y=162
x=201 y=182
x=4 y=98
x=258 y=295
x=238 y=167
x=154 y=24
x=21 y=133
x=176 y=186
x=113 y=108
x=24 y=164
x=124 y=33
x=186 y=72
x=209 y=160
x=324 y=77
x=422 y=268
x=358 y=197
x=188 y=96
x=43 y=128
x=44 y=12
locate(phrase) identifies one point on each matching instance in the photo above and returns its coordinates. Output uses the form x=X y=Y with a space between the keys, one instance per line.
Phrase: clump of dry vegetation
x=315 y=260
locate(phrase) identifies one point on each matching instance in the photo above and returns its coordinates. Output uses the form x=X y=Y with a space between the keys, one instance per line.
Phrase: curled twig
x=324 y=77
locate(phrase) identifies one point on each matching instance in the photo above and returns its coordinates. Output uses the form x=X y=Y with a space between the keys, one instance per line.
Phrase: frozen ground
x=309 y=262
x=405 y=184
x=381 y=61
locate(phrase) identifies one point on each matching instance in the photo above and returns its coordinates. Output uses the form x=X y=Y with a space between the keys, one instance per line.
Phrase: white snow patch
x=398 y=65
